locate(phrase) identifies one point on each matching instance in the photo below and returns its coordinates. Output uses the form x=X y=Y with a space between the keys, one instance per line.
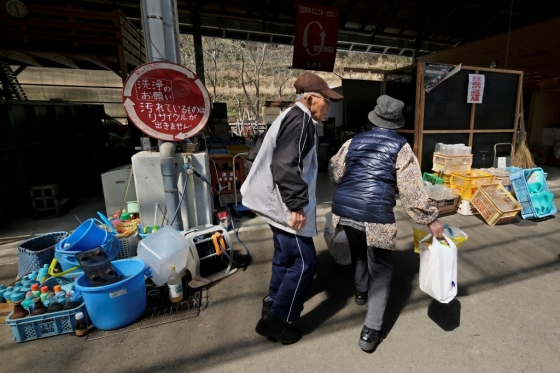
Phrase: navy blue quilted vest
x=366 y=191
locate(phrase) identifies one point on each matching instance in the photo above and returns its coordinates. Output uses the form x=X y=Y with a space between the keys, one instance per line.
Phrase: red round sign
x=166 y=101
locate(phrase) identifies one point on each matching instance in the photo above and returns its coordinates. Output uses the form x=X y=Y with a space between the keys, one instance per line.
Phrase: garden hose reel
x=209 y=246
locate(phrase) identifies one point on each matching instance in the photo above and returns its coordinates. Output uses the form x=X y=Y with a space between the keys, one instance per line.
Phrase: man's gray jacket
x=284 y=174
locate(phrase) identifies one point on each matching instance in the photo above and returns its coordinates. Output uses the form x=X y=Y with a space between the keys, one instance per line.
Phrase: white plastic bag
x=438 y=269
x=339 y=246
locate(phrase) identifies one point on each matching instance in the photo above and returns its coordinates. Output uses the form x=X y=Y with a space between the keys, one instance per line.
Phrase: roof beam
x=21 y=57
x=344 y=36
x=58 y=58
x=383 y=24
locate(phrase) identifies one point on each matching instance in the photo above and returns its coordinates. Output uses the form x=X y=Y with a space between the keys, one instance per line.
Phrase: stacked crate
x=49 y=200
x=445 y=165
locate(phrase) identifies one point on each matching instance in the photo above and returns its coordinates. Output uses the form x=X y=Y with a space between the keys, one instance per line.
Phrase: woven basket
x=37 y=251
x=190 y=147
x=128 y=240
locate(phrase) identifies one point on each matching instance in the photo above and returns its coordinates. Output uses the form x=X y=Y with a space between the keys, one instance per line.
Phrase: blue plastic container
x=119 y=304
x=87 y=236
x=67 y=259
x=524 y=196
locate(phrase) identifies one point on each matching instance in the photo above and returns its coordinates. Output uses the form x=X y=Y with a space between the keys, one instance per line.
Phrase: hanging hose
x=180 y=199
x=237 y=264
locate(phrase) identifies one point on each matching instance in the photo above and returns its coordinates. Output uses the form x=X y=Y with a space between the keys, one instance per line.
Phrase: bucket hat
x=310 y=82
x=387 y=113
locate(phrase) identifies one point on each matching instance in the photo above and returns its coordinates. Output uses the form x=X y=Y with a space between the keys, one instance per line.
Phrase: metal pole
x=197 y=39
x=162 y=44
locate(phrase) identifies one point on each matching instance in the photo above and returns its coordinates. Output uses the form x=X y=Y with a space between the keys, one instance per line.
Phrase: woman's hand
x=436 y=227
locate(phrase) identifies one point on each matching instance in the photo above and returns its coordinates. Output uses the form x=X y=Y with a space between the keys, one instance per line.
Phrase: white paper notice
x=502 y=162
x=476 y=89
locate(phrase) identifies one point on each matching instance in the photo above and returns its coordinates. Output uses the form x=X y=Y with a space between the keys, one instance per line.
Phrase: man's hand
x=299 y=219
x=436 y=227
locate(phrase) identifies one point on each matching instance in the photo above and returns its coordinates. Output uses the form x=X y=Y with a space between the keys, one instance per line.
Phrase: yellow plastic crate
x=466 y=183
x=451 y=163
x=495 y=204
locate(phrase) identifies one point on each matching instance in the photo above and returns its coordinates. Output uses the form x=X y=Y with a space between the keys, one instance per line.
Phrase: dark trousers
x=293 y=268
x=373 y=269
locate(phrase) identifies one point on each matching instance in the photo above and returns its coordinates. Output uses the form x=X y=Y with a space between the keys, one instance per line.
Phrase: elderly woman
x=368 y=170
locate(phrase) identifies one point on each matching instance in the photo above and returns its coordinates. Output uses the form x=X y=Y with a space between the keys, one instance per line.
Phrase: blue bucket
x=67 y=259
x=120 y=304
x=87 y=236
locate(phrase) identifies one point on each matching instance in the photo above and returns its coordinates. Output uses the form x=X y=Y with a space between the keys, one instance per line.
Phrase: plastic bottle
x=38 y=307
x=81 y=325
x=57 y=288
x=43 y=273
x=28 y=301
x=69 y=303
x=18 y=296
x=35 y=290
x=44 y=294
x=54 y=306
x=175 y=286
x=125 y=216
x=8 y=294
x=19 y=312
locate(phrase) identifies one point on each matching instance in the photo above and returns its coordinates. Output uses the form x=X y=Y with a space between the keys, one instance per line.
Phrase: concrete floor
x=505 y=318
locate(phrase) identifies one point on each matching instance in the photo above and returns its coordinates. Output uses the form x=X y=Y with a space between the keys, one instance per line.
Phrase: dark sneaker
x=271 y=326
x=369 y=338
x=267 y=304
x=360 y=298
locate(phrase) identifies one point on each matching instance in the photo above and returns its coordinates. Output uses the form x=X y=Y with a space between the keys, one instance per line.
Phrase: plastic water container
x=118 y=304
x=162 y=249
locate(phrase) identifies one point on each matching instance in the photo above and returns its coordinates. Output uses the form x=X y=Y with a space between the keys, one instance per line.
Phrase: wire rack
x=159 y=310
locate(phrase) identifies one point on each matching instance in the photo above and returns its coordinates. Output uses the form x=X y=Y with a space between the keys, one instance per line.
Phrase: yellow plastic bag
x=421 y=231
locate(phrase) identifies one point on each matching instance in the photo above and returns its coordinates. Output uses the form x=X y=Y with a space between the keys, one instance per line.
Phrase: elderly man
x=281 y=189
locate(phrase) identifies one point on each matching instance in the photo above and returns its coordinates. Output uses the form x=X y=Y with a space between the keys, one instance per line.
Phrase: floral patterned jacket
x=413 y=196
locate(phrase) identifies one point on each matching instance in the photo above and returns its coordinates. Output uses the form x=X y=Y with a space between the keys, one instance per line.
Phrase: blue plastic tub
x=87 y=236
x=67 y=259
x=120 y=304
x=524 y=197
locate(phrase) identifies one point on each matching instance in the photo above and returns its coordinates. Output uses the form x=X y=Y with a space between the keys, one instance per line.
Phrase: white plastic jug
x=162 y=249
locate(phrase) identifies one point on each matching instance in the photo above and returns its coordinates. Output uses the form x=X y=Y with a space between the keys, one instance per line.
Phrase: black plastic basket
x=37 y=251
x=97 y=267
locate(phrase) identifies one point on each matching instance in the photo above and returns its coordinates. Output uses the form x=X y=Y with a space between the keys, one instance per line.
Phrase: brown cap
x=310 y=82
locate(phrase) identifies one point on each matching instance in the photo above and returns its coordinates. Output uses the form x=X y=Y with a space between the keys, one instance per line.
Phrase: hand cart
x=237 y=207
x=505 y=150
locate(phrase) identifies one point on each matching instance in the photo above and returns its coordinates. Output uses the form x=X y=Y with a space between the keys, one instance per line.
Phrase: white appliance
x=197 y=206
x=115 y=184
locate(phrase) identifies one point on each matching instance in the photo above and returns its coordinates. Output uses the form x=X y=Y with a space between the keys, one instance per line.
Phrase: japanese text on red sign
x=156 y=102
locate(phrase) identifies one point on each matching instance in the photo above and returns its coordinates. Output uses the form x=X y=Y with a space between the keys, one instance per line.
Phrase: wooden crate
x=49 y=200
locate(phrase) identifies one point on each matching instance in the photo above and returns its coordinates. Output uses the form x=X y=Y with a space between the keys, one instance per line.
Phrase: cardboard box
x=5 y=309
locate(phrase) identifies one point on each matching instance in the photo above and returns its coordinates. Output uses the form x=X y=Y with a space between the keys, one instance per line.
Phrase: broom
x=522 y=157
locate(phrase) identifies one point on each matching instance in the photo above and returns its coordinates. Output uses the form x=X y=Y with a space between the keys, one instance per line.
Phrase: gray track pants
x=373 y=269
